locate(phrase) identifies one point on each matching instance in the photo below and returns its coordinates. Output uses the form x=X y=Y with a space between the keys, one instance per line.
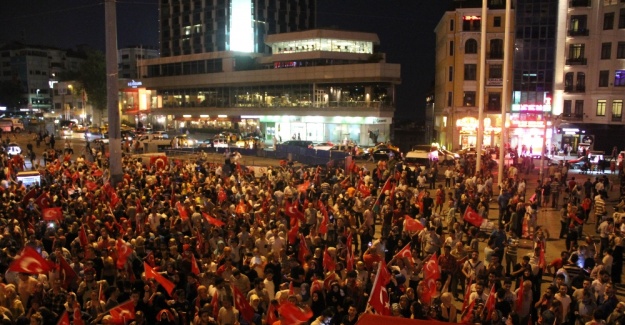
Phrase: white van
x=418 y=157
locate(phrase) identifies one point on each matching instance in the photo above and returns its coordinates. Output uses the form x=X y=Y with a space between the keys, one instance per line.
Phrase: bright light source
x=221 y=116
x=241 y=31
x=204 y=116
x=186 y=115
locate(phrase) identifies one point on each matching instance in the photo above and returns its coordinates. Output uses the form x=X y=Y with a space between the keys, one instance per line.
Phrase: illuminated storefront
x=529 y=123
x=467 y=132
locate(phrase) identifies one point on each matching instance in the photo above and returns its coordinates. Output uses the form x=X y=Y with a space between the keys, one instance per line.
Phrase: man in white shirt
x=565 y=300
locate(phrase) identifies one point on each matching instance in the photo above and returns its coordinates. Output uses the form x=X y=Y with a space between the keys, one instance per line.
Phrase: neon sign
x=471 y=18
x=532 y=107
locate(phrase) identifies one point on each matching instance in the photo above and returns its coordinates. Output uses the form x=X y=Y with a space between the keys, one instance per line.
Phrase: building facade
x=456 y=90
x=36 y=69
x=317 y=85
x=591 y=75
x=128 y=58
x=203 y=26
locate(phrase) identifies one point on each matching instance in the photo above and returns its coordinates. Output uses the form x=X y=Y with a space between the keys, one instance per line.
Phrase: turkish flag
x=292 y=234
x=363 y=189
x=323 y=227
x=160 y=162
x=472 y=217
x=349 y=261
x=43 y=201
x=139 y=206
x=221 y=196
x=91 y=186
x=67 y=270
x=316 y=285
x=303 y=187
x=303 y=250
x=195 y=269
x=242 y=305
x=114 y=199
x=213 y=221
x=271 y=314
x=64 y=320
x=411 y=224
x=52 y=214
x=328 y=261
x=467 y=294
x=519 y=296
x=97 y=173
x=467 y=317
x=123 y=312
x=490 y=302
x=291 y=210
x=82 y=236
x=123 y=250
x=78 y=314
x=293 y=315
x=30 y=195
x=151 y=274
x=30 y=262
x=431 y=269
x=241 y=207
x=182 y=212
x=379 y=299
x=429 y=290
x=404 y=253
x=215 y=303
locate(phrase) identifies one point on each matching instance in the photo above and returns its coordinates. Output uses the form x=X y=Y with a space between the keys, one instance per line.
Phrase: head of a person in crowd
x=475 y=255
x=479 y=288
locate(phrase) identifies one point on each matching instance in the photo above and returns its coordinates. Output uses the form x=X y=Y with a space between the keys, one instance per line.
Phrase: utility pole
x=481 y=90
x=505 y=96
x=115 y=141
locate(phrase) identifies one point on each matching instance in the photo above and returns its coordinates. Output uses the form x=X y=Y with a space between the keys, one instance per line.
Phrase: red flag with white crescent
x=213 y=221
x=411 y=224
x=242 y=305
x=151 y=274
x=123 y=312
x=30 y=262
x=293 y=315
x=182 y=212
x=379 y=298
x=431 y=269
x=64 y=320
x=124 y=251
x=472 y=217
x=195 y=269
x=52 y=214
x=328 y=261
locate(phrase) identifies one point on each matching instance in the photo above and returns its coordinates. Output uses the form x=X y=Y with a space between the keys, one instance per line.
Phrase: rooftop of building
x=322 y=34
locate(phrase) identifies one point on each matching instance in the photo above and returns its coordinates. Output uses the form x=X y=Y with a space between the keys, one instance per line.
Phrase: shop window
x=601 y=107
x=470 y=46
x=606 y=51
x=470 y=72
x=469 y=99
x=604 y=78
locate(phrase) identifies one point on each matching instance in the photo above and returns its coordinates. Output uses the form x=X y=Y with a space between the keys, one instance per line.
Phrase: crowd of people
x=192 y=242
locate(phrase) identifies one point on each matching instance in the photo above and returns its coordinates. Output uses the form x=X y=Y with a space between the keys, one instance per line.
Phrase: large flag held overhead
x=151 y=274
x=30 y=262
x=123 y=312
x=293 y=315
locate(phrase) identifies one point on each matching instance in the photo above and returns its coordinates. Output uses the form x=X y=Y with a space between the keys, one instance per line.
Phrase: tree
x=92 y=76
x=11 y=94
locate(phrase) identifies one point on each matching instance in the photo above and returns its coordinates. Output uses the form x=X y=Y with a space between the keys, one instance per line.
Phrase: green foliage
x=92 y=76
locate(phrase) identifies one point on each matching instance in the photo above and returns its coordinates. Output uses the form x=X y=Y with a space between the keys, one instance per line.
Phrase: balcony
x=576 y=61
x=578 y=32
x=617 y=118
x=494 y=82
x=574 y=89
x=572 y=117
x=579 y=3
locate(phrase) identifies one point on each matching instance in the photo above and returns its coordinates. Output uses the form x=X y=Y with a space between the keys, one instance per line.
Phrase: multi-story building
x=128 y=58
x=458 y=35
x=318 y=85
x=36 y=68
x=202 y=26
x=590 y=74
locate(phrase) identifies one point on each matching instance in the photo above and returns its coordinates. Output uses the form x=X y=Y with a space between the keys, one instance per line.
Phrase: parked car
x=323 y=145
x=385 y=153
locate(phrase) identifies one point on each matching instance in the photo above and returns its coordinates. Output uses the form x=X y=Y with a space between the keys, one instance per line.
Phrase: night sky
x=405 y=28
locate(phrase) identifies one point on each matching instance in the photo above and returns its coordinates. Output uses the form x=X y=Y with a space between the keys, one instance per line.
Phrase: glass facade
x=534 y=63
x=323 y=44
x=292 y=96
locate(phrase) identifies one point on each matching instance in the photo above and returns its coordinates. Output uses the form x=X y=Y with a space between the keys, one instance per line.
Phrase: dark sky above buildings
x=405 y=28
